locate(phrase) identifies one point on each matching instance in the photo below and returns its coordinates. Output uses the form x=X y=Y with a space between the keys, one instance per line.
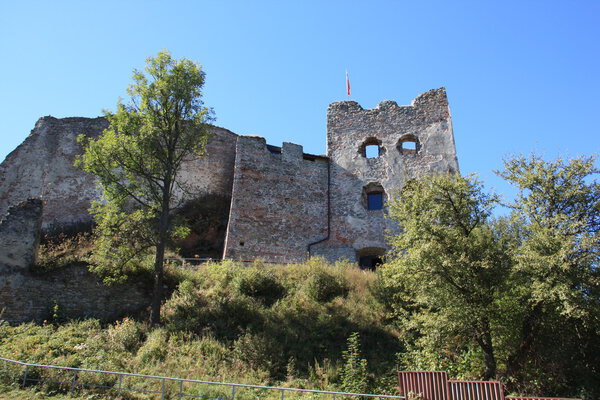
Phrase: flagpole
x=347 y=85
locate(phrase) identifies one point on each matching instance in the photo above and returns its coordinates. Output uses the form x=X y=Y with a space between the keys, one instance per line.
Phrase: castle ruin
x=258 y=201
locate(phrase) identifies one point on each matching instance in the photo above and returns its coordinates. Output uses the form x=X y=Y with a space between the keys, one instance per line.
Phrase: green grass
x=269 y=325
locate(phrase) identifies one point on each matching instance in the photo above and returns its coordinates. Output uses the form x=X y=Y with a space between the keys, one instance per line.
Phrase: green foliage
x=137 y=161
x=323 y=286
x=561 y=249
x=260 y=284
x=213 y=331
x=516 y=297
x=451 y=264
x=354 y=373
x=62 y=250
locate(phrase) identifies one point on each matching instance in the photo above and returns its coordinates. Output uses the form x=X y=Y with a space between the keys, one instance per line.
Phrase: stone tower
x=372 y=153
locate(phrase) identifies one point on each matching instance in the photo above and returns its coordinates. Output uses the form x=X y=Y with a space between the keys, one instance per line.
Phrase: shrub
x=261 y=285
x=323 y=286
x=354 y=374
x=260 y=352
x=154 y=348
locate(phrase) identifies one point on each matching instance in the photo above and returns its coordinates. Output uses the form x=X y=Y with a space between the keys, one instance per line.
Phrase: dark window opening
x=242 y=244
x=370 y=262
x=375 y=201
x=373 y=196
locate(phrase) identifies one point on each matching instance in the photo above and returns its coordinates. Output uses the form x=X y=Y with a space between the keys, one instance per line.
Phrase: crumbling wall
x=279 y=202
x=27 y=296
x=42 y=167
x=426 y=123
x=20 y=235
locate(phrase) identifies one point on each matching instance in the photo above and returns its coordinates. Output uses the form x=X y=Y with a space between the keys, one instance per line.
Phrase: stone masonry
x=26 y=296
x=282 y=204
x=279 y=202
x=408 y=141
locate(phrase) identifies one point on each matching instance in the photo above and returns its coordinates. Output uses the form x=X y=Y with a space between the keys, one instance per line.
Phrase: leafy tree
x=137 y=161
x=519 y=295
x=559 y=261
x=451 y=265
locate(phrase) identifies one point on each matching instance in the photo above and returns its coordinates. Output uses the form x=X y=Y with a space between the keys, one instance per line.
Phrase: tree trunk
x=529 y=330
x=163 y=227
x=484 y=339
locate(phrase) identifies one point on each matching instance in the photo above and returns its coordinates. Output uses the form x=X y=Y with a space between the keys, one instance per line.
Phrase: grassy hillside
x=275 y=325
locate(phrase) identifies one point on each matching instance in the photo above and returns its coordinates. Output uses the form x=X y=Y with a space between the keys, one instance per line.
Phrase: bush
x=260 y=352
x=354 y=374
x=261 y=285
x=323 y=286
x=154 y=348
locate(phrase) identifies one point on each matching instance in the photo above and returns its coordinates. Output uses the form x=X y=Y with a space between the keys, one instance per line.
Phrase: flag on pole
x=347 y=84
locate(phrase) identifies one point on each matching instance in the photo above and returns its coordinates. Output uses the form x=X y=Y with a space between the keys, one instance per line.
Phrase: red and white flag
x=347 y=84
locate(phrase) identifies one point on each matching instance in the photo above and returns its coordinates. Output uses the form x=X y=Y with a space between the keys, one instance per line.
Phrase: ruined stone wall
x=42 y=167
x=356 y=230
x=25 y=296
x=279 y=202
x=20 y=235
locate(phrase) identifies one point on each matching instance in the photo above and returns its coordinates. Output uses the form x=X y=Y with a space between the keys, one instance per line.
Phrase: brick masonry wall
x=279 y=202
x=354 y=228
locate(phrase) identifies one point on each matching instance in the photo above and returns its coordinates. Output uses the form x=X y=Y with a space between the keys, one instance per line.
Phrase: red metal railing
x=427 y=385
x=476 y=390
x=434 y=385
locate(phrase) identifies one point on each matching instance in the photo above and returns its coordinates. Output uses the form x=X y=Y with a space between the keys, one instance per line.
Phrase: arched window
x=371 y=148
x=373 y=196
x=408 y=144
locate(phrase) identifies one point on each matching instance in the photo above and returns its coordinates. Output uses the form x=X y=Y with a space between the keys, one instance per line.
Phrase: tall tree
x=450 y=264
x=559 y=257
x=137 y=160
x=518 y=295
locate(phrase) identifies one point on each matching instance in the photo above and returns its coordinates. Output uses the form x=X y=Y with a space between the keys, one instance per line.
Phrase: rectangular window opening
x=374 y=201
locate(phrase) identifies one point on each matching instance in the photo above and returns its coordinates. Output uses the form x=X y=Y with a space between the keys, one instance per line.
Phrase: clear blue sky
x=521 y=76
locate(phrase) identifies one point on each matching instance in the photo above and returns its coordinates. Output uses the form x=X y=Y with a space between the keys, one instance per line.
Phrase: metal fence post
x=180 y=390
x=73 y=382
x=232 y=392
x=120 y=384
x=162 y=391
x=25 y=375
x=282 y=394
